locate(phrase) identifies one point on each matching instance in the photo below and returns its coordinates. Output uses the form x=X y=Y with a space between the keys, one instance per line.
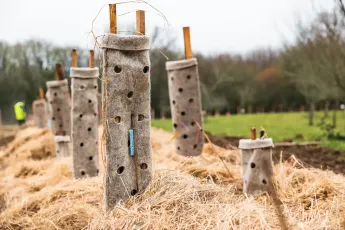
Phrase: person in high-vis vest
x=19 y=110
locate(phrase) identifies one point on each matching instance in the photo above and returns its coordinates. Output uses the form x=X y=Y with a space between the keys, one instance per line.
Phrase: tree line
x=309 y=72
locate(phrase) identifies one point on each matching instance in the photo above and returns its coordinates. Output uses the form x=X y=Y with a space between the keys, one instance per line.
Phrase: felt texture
x=58 y=97
x=129 y=42
x=84 y=118
x=257 y=169
x=62 y=146
x=185 y=104
x=40 y=118
x=62 y=138
x=126 y=105
x=62 y=150
x=255 y=144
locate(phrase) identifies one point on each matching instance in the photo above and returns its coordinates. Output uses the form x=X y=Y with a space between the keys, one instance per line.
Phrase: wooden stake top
x=74 y=58
x=112 y=18
x=140 y=22
x=262 y=132
x=41 y=93
x=253 y=133
x=59 y=72
x=91 y=59
x=187 y=44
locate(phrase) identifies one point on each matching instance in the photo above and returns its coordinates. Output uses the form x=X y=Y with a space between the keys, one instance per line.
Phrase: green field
x=279 y=126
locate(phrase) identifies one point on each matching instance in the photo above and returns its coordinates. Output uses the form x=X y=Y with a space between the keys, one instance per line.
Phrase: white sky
x=216 y=25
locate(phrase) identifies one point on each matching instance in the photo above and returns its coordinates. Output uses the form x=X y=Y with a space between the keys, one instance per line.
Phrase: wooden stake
x=113 y=20
x=140 y=22
x=41 y=92
x=253 y=133
x=91 y=59
x=262 y=132
x=187 y=43
x=59 y=72
x=74 y=58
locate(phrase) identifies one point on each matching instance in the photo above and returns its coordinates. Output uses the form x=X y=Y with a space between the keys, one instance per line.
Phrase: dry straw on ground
x=38 y=192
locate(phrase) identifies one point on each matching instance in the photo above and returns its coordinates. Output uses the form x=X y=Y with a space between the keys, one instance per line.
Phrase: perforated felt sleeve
x=257 y=170
x=126 y=96
x=58 y=98
x=185 y=103
x=256 y=165
x=84 y=118
x=40 y=113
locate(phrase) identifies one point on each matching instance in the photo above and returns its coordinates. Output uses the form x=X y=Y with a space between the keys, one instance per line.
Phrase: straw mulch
x=38 y=192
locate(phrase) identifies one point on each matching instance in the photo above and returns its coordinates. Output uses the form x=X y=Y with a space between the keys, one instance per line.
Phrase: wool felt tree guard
x=40 y=108
x=84 y=118
x=58 y=97
x=257 y=165
x=185 y=103
x=126 y=106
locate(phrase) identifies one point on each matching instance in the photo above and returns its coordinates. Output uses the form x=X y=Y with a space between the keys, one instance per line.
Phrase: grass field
x=279 y=126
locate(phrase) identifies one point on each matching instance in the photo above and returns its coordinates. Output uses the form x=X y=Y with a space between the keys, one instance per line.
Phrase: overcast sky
x=216 y=26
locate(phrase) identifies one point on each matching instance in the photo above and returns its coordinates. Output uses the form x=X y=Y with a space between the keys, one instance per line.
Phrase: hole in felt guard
x=143 y=166
x=130 y=94
x=117 y=69
x=120 y=170
x=117 y=119
x=141 y=117
x=146 y=69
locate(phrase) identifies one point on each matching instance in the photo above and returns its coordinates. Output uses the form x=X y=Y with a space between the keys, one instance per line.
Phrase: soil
x=317 y=157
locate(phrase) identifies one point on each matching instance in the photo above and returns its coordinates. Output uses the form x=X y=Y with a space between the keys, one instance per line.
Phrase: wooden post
x=253 y=133
x=41 y=93
x=262 y=133
x=187 y=43
x=91 y=59
x=140 y=29
x=60 y=76
x=74 y=58
x=113 y=19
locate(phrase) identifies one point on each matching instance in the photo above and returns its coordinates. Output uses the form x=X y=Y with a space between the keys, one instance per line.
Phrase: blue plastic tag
x=131 y=142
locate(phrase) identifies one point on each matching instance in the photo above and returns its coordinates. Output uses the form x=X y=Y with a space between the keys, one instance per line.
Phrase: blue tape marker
x=131 y=142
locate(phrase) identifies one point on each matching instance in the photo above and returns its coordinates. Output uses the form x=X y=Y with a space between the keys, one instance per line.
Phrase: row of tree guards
x=127 y=115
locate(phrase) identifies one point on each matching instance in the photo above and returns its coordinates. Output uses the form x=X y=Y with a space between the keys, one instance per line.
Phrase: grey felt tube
x=185 y=103
x=84 y=118
x=126 y=105
x=40 y=113
x=257 y=165
x=58 y=97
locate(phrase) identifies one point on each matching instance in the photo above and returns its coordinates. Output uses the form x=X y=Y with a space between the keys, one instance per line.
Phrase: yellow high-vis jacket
x=19 y=110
